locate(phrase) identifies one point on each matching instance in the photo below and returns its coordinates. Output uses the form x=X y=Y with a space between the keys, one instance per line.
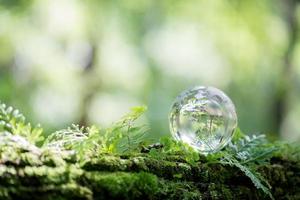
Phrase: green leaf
x=12 y=121
x=254 y=176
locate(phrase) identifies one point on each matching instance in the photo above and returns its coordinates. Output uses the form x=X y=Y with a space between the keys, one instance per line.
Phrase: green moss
x=121 y=185
x=46 y=192
x=107 y=163
x=29 y=172
x=178 y=190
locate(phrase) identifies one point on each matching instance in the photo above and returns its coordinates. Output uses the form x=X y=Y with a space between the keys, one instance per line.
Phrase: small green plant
x=12 y=121
x=123 y=136
x=246 y=153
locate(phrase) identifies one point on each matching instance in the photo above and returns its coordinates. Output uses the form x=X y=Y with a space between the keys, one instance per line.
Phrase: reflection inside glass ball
x=204 y=118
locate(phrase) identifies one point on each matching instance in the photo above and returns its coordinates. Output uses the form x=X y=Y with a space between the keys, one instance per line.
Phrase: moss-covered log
x=30 y=173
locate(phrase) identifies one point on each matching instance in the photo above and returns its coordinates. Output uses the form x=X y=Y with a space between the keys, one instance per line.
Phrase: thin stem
x=128 y=138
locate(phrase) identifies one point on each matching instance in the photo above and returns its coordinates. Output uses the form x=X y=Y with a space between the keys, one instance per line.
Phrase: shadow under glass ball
x=204 y=118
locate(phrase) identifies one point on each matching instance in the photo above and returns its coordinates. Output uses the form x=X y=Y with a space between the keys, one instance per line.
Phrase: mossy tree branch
x=29 y=173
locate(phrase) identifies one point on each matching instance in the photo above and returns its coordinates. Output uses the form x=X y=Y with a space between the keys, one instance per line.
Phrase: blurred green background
x=88 y=62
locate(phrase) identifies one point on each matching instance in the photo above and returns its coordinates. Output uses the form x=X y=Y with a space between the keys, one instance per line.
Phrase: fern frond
x=254 y=176
x=246 y=153
x=124 y=135
x=80 y=140
x=66 y=139
x=12 y=121
x=251 y=148
x=136 y=136
x=9 y=117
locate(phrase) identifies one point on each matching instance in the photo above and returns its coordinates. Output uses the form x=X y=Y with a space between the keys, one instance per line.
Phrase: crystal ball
x=204 y=118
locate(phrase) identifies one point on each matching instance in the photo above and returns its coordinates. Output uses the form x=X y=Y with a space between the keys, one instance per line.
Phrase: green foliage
x=125 y=135
x=247 y=153
x=122 y=136
x=12 y=121
x=79 y=139
x=289 y=151
x=172 y=147
x=252 y=149
x=255 y=177
x=244 y=152
x=68 y=139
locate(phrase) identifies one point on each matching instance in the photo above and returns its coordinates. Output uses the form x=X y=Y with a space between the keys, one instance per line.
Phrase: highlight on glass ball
x=204 y=118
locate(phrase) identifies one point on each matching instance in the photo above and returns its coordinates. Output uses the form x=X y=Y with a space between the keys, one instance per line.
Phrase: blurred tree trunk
x=284 y=85
x=89 y=85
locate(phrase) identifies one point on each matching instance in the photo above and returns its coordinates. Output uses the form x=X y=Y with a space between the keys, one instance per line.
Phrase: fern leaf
x=66 y=139
x=12 y=121
x=252 y=175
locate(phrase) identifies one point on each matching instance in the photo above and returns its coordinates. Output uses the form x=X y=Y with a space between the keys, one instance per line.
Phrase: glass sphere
x=204 y=118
